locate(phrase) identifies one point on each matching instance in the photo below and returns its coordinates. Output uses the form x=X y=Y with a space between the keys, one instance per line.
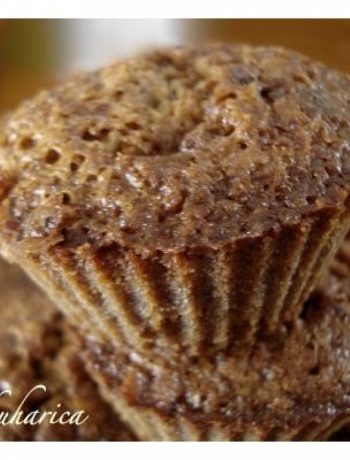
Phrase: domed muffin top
x=175 y=149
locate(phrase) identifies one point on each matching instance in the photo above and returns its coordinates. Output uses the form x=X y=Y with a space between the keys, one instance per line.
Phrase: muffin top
x=285 y=384
x=38 y=347
x=177 y=149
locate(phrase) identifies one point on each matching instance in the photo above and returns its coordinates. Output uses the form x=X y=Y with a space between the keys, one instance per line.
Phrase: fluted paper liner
x=199 y=301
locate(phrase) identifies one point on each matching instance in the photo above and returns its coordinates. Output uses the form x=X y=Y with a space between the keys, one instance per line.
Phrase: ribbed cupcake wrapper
x=340 y=264
x=49 y=278
x=150 y=424
x=197 y=302
x=318 y=259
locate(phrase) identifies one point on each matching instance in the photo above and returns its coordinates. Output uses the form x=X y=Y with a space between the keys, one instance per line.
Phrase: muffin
x=37 y=347
x=290 y=388
x=43 y=347
x=184 y=201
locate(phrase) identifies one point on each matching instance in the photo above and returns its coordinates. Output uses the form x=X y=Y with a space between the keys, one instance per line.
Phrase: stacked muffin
x=38 y=347
x=180 y=207
x=45 y=350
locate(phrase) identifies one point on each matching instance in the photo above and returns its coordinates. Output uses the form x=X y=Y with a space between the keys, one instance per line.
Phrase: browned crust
x=177 y=149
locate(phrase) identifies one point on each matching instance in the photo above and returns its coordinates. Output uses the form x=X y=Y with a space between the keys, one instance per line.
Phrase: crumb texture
x=177 y=148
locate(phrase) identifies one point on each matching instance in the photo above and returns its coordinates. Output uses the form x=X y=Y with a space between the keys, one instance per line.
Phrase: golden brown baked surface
x=37 y=347
x=177 y=148
x=293 y=384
